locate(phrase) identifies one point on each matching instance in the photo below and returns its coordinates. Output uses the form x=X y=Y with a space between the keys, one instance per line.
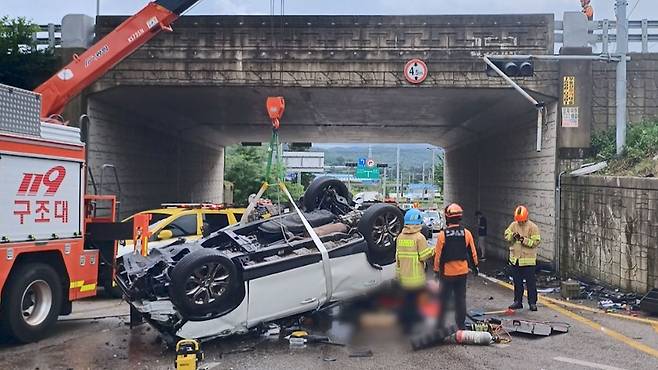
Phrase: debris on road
x=534 y=327
x=649 y=303
x=570 y=289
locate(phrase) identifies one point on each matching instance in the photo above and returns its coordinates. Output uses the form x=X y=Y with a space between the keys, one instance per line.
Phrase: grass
x=641 y=149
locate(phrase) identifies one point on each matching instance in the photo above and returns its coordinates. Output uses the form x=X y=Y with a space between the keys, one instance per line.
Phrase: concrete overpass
x=164 y=115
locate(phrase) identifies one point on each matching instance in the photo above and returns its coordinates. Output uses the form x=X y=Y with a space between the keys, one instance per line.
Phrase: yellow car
x=188 y=221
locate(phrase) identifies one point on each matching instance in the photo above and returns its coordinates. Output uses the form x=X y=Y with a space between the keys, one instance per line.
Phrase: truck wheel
x=32 y=302
x=380 y=225
x=205 y=282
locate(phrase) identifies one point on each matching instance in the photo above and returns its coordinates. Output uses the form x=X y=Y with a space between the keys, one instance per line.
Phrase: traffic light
x=512 y=68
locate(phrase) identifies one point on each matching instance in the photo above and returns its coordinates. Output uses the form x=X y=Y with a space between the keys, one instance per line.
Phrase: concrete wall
x=609 y=230
x=501 y=170
x=333 y=51
x=642 y=90
x=154 y=166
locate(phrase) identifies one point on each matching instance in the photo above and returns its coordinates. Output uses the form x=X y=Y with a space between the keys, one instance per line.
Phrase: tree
x=21 y=63
x=245 y=168
x=438 y=172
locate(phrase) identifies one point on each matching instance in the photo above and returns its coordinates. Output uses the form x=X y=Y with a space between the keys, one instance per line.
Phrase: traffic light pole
x=622 y=50
x=538 y=105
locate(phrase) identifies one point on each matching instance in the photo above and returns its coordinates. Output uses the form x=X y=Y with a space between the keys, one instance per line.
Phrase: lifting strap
x=326 y=264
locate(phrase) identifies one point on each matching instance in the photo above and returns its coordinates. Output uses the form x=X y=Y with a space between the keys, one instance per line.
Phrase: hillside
x=411 y=155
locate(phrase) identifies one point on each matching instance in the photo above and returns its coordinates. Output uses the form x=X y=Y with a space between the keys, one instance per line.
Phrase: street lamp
x=433 y=150
x=424 y=171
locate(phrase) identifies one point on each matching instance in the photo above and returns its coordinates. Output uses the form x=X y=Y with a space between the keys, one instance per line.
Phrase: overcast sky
x=45 y=11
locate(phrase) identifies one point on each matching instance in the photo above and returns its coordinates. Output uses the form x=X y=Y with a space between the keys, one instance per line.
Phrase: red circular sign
x=415 y=71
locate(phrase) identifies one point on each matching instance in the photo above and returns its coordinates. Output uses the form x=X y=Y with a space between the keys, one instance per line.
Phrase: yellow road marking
x=609 y=332
x=595 y=310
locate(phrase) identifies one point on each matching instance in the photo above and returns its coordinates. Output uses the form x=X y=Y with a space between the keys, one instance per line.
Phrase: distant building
x=421 y=191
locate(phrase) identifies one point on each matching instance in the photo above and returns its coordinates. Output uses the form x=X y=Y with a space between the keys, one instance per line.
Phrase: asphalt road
x=84 y=341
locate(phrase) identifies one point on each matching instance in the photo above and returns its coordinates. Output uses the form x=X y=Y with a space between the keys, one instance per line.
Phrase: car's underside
x=207 y=280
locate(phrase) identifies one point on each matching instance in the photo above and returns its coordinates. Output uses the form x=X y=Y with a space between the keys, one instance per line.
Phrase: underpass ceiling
x=228 y=115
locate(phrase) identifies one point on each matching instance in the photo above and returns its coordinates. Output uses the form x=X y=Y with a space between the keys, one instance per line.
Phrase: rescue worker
x=588 y=10
x=410 y=255
x=523 y=236
x=455 y=252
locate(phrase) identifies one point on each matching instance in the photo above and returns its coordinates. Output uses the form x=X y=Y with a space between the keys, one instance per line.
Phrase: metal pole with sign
x=622 y=50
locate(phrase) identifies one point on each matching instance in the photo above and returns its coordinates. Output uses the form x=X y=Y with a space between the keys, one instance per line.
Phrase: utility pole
x=98 y=7
x=622 y=50
x=397 y=174
x=423 y=177
x=432 y=179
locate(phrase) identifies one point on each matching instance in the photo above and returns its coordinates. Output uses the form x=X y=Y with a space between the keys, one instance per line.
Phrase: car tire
x=314 y=195
x=197 y=290
x=380 y=225
x=32 y=302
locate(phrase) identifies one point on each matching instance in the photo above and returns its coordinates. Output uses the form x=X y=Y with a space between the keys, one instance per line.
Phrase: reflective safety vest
x=524 y=253
x=411 y=252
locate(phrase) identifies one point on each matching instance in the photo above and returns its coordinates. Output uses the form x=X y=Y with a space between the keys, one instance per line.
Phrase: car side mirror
x=165 y=234
x=205 y=229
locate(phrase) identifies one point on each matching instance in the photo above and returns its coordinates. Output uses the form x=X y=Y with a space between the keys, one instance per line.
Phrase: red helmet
x=453 y=211
x=521 y=214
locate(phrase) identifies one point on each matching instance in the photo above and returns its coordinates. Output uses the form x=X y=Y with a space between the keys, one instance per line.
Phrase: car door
x=351 y=272
x=285 y=288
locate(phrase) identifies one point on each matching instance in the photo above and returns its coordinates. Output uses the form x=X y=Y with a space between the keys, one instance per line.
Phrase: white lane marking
x=585 y=363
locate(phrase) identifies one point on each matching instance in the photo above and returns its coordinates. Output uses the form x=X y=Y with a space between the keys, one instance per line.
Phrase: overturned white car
x=244 y=276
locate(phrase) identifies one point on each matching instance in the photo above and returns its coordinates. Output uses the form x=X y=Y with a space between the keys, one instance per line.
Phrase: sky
x=52 y=11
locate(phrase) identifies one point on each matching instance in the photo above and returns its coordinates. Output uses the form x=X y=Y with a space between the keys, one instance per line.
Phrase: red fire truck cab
x=55 y=246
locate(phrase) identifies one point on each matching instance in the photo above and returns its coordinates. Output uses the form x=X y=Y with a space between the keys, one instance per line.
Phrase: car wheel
x=380 y=225
x=32 y=302
x=205 y=282
x=328 y=193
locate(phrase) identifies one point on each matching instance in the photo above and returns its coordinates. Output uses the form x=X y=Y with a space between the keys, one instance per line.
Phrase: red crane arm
x=86 y=68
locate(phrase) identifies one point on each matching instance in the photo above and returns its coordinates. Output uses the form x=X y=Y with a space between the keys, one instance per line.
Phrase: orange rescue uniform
x=454 y=268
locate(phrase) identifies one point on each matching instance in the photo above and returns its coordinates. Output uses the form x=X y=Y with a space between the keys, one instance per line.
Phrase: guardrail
x=603 y=33
x=48 y=36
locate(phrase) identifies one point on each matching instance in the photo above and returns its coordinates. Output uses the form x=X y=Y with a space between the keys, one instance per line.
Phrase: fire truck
x=56 y=245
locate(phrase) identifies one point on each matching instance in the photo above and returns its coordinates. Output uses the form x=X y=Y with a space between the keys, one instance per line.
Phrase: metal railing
x=603 y=33
x=49 y=36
